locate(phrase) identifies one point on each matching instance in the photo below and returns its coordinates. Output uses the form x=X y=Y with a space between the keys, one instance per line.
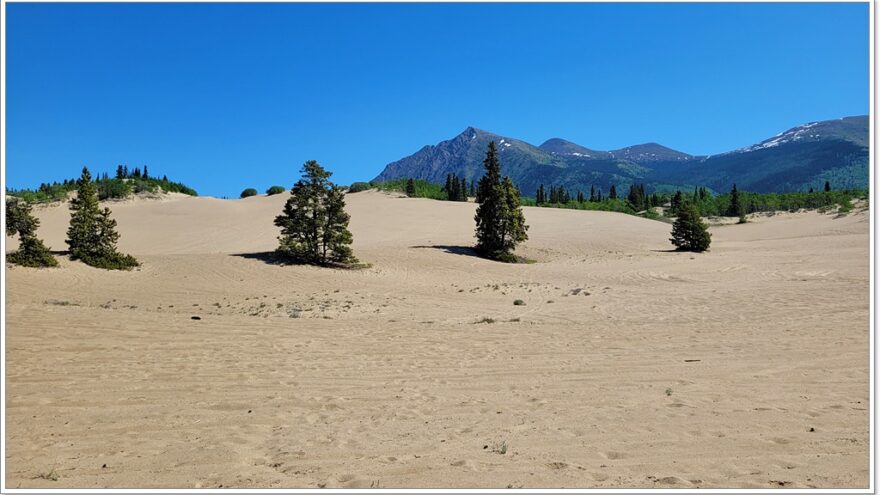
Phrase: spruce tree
x=411 y=188
x=463 y=193
x=500 y=224
x=314 y=224
x=689 y=233
x=539 y=195
x=592 y=194
x=120 y=172
x=145 y=176
x=31 y=250
x=827 y=186
x=676 y=202
x=612 y=194
x=92 y=234
x=735 y=209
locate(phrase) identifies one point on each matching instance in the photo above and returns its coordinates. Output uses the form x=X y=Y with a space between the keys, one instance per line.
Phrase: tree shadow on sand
x=459 y=250
x=268 y=257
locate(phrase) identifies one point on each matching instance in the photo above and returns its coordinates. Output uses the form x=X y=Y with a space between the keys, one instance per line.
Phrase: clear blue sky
x=228 y=96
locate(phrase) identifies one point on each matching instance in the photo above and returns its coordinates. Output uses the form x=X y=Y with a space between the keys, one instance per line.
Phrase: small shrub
x=274 y=190
x=845 y=207
x=248 y=192
x=111 y=261
x=487 y=320
x=519 y=302
x=359 y=186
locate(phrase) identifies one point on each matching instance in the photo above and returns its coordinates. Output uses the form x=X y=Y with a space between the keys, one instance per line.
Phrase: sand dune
x=628 y=366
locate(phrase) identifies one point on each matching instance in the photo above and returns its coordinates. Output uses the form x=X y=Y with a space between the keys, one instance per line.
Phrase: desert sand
x=628 y=366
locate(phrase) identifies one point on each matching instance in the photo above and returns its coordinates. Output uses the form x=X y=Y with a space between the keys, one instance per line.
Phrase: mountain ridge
x=795 y=159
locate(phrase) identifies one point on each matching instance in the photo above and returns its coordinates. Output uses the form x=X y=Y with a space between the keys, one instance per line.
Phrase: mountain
x=650 y=152
x=794 y=160
x=557 y=146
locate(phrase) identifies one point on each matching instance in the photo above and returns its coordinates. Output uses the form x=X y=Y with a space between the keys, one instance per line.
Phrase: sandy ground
x=628 y=366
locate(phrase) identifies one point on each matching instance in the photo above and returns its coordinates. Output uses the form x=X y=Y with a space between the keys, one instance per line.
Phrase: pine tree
x=120 y=172
x=827 y=186
x=612 y=194
x=92 y=233
x=580 y=197
x=592 y=194
x=125 y=172
x=31 y=250
x=539 y=196
x=500 y=224
x=463 y=192
x=735 y=209
x=448 y=187
x=145 y=176
x=314 y=224
x=689 y=233
x=137 y=172
x=411 y=188
x=599 y=195
x=676 y=202
x=473 y=189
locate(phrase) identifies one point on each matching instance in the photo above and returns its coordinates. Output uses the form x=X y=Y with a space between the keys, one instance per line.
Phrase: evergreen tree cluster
x=456 y=188
x=92 y=234
x=120 y=186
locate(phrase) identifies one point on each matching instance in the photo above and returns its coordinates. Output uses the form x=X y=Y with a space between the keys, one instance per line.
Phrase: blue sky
x=228 y=96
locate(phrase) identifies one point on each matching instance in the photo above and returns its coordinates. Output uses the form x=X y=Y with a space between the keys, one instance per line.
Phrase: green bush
x=111 y=261
x=359 y=186
x=113 y=189
x=248 y=192
x=274 y=190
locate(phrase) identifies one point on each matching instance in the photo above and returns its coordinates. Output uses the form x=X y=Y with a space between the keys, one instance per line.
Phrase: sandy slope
x=629 y=365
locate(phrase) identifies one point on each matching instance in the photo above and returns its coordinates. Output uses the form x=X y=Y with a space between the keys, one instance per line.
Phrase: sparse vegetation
x=486 y=320
x=92 y=233
x=314 y=224
x=275 y=190
x=121 y=186
x=360 y=186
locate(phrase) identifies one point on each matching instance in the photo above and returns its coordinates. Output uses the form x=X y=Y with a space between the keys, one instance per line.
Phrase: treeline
x=125 y=183
x=734 y=203
x=455 y=189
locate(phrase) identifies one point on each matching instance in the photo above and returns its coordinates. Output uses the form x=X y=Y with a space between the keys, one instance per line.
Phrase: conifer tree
x=411 y=188
x=827 y=186
x=120 y=172
x=676 y=202
x=500 y=224
x=463 y=192
x=473 y=189
x=811 y=190
x=31 y=250
x=612 y=194
x=145 y=176
x=735 y=209
x=125 y=172
x=599 y=195
x=92 y=234
x=592 y=194
x=448 y=187
x=314 y=224
x=580 y=197
x=539 y=196
x=689 y=233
